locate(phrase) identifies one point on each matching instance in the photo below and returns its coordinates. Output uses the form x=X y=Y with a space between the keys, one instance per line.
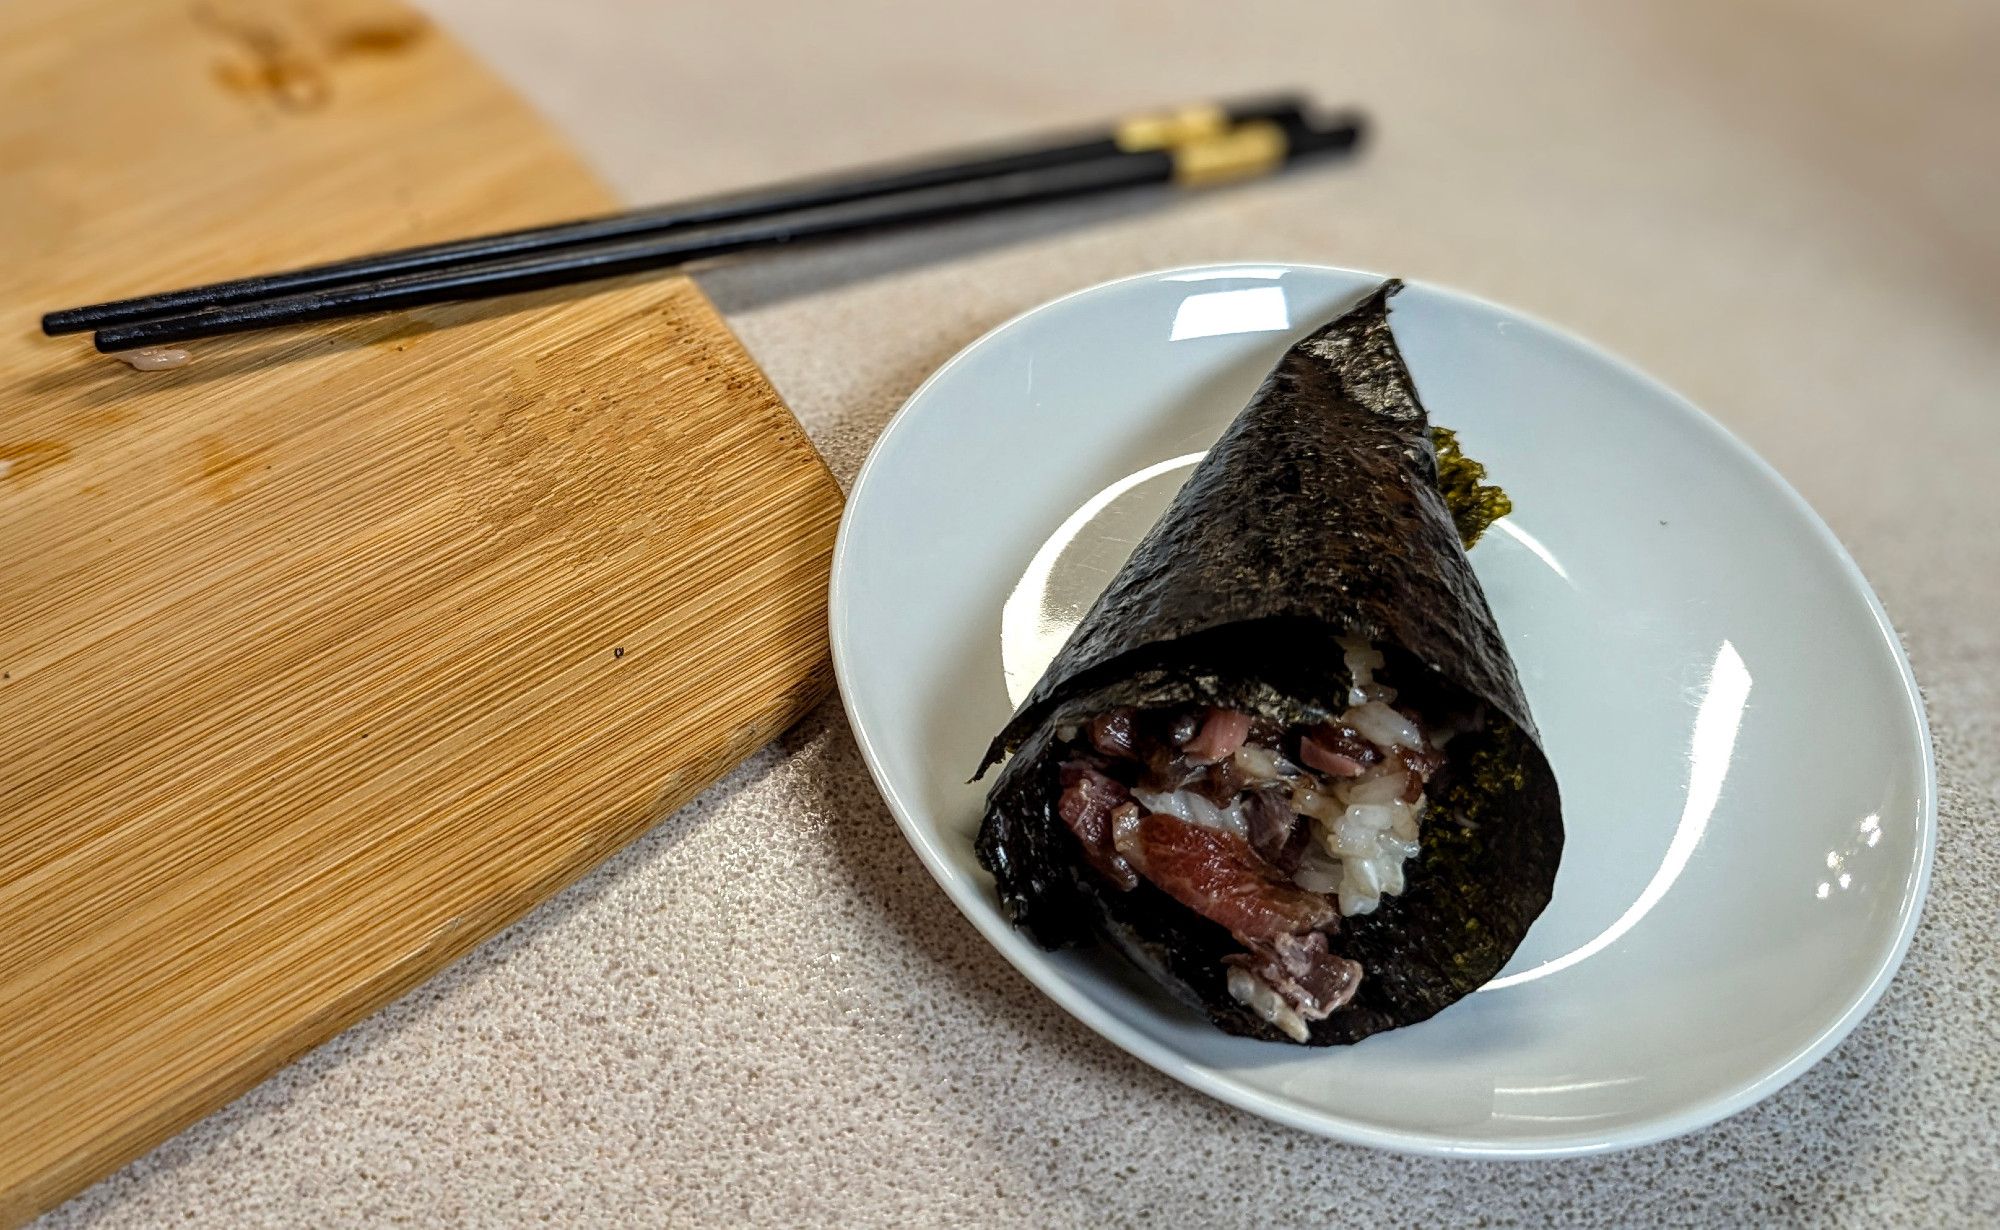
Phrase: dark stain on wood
x=18 y=461
x=388 y=34
x=269 y=60
x=290 y=66
x=223 y=468
x=400 y=333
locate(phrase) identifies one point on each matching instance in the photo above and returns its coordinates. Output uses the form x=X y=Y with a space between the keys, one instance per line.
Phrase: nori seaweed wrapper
x=1317 y=515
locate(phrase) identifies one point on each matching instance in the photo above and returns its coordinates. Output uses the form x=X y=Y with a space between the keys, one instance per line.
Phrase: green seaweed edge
x=1474 y=503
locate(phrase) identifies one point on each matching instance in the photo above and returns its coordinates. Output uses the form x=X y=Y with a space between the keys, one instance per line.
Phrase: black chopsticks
x=1153 y=131
x=1193 y=145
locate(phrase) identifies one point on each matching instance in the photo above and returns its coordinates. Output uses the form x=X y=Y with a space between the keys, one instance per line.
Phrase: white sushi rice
x=1195 y=809
x=1383 y=726
x=1369 y=840
x=1364 y=832
x=1260 y=764
x=1363 y=660
x=1257 y=995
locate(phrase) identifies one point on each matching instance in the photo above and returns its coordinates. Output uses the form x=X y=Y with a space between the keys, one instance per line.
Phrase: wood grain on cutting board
x=325 y=656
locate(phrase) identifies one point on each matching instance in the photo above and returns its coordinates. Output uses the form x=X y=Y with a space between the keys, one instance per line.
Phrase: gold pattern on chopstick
x=1246 y=151
x=1167 y=129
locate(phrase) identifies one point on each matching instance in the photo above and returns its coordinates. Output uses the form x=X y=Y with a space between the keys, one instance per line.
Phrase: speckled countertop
x=765 y=1012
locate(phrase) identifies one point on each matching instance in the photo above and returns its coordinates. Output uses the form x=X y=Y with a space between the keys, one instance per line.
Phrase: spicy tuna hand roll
x=1284 y=762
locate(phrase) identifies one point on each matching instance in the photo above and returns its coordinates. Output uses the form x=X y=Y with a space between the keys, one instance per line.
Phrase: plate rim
x=1285 y=1110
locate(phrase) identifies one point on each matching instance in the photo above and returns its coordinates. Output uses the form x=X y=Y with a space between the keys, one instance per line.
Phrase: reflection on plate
x=1749 y=809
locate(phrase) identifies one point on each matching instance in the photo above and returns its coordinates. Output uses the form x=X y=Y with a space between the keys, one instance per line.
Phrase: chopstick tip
x=54 y=324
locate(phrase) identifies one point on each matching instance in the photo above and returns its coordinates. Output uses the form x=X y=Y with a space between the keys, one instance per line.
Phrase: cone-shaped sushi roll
x=1284 y=762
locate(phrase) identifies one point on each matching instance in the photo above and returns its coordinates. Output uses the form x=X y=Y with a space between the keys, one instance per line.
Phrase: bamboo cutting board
x=327 y=655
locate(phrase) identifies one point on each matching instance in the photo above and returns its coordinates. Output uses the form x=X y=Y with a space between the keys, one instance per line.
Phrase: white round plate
x=1746 y=775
